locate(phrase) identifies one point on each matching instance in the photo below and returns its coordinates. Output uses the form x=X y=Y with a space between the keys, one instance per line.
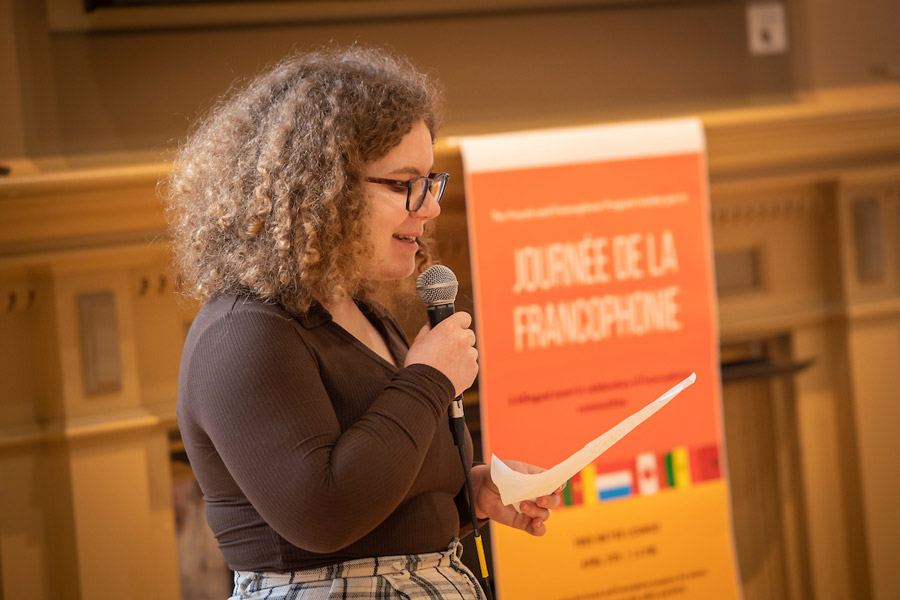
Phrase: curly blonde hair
x=266 y=196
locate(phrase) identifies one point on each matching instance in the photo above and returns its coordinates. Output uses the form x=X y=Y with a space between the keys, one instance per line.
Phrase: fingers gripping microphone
x=437 y=287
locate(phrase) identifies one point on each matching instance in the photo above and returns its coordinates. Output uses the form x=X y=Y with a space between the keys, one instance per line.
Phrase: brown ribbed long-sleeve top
x=309 y=448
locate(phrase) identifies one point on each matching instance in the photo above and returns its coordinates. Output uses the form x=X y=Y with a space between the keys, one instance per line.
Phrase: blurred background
x=801 y=104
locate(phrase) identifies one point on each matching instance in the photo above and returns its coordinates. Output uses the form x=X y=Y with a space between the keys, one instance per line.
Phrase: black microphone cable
x=437 y=287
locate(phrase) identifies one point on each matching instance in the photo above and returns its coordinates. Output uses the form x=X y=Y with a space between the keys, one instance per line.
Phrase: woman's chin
x=393 y=272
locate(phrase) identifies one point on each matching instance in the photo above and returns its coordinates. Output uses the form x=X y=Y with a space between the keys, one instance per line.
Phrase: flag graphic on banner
x=705 y=463
x=663 y=470
x=580 y=490
x=572 y=494
x=614 y=485
x=647 y=473
x=588 y=476
x=678 y=468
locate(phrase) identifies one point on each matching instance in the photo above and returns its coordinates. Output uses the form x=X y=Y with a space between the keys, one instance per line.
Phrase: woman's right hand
x=449 y=347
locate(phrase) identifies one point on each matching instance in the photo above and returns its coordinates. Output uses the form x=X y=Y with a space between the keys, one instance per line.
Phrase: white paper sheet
x=517 y=487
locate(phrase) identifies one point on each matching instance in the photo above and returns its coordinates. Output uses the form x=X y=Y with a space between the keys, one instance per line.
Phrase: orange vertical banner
x=594 y=294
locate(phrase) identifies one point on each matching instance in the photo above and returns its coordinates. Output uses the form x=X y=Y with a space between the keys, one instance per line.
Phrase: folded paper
x=517 y=487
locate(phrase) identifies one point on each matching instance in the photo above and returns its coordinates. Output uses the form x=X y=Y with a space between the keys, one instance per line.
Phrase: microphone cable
x=458 y=428
x=437 y=287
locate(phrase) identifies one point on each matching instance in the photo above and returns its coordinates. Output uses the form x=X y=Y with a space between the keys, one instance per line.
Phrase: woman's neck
x=347 y=314
x=344 y=309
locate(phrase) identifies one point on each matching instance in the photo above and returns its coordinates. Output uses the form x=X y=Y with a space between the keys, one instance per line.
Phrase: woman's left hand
x=489 y=505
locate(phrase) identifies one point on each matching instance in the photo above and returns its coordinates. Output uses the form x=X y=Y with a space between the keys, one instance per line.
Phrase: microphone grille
x=437 y=285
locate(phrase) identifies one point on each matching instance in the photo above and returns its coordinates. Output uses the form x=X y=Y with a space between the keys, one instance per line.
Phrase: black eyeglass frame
x=432 y=178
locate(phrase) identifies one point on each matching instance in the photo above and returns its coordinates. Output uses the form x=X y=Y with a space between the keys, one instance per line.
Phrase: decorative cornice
x=768 y=209
x=80 y=208
x=70 y=15
x=826 y=132
x=815 y=140
x=735 y=326
x=873 y=310
x=59 y=179
x=87 y=428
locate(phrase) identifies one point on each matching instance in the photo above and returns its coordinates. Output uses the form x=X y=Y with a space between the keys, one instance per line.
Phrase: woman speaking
x=318 y=435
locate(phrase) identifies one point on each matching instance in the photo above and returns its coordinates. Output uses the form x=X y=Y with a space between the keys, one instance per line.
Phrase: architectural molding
x=75 y=203
x=766 y=208
x=71 y=15
x=80 y=429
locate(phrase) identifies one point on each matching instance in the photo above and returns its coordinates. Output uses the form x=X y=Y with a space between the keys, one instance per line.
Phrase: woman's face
x=393 y=230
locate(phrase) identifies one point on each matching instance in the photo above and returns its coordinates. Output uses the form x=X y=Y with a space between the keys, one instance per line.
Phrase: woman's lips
x=409 y=240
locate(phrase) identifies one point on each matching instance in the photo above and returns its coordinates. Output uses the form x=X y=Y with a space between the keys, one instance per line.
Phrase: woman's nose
x=429 y=209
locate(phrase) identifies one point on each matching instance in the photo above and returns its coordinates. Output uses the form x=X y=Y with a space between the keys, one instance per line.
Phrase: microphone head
x=437 y=285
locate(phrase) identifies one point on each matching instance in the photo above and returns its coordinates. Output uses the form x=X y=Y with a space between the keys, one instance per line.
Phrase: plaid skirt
x=433 y=576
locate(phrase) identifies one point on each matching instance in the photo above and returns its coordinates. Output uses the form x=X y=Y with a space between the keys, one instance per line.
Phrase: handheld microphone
x=437 y=287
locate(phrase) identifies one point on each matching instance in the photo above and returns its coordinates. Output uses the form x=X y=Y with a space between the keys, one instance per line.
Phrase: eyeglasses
x=417 y=188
